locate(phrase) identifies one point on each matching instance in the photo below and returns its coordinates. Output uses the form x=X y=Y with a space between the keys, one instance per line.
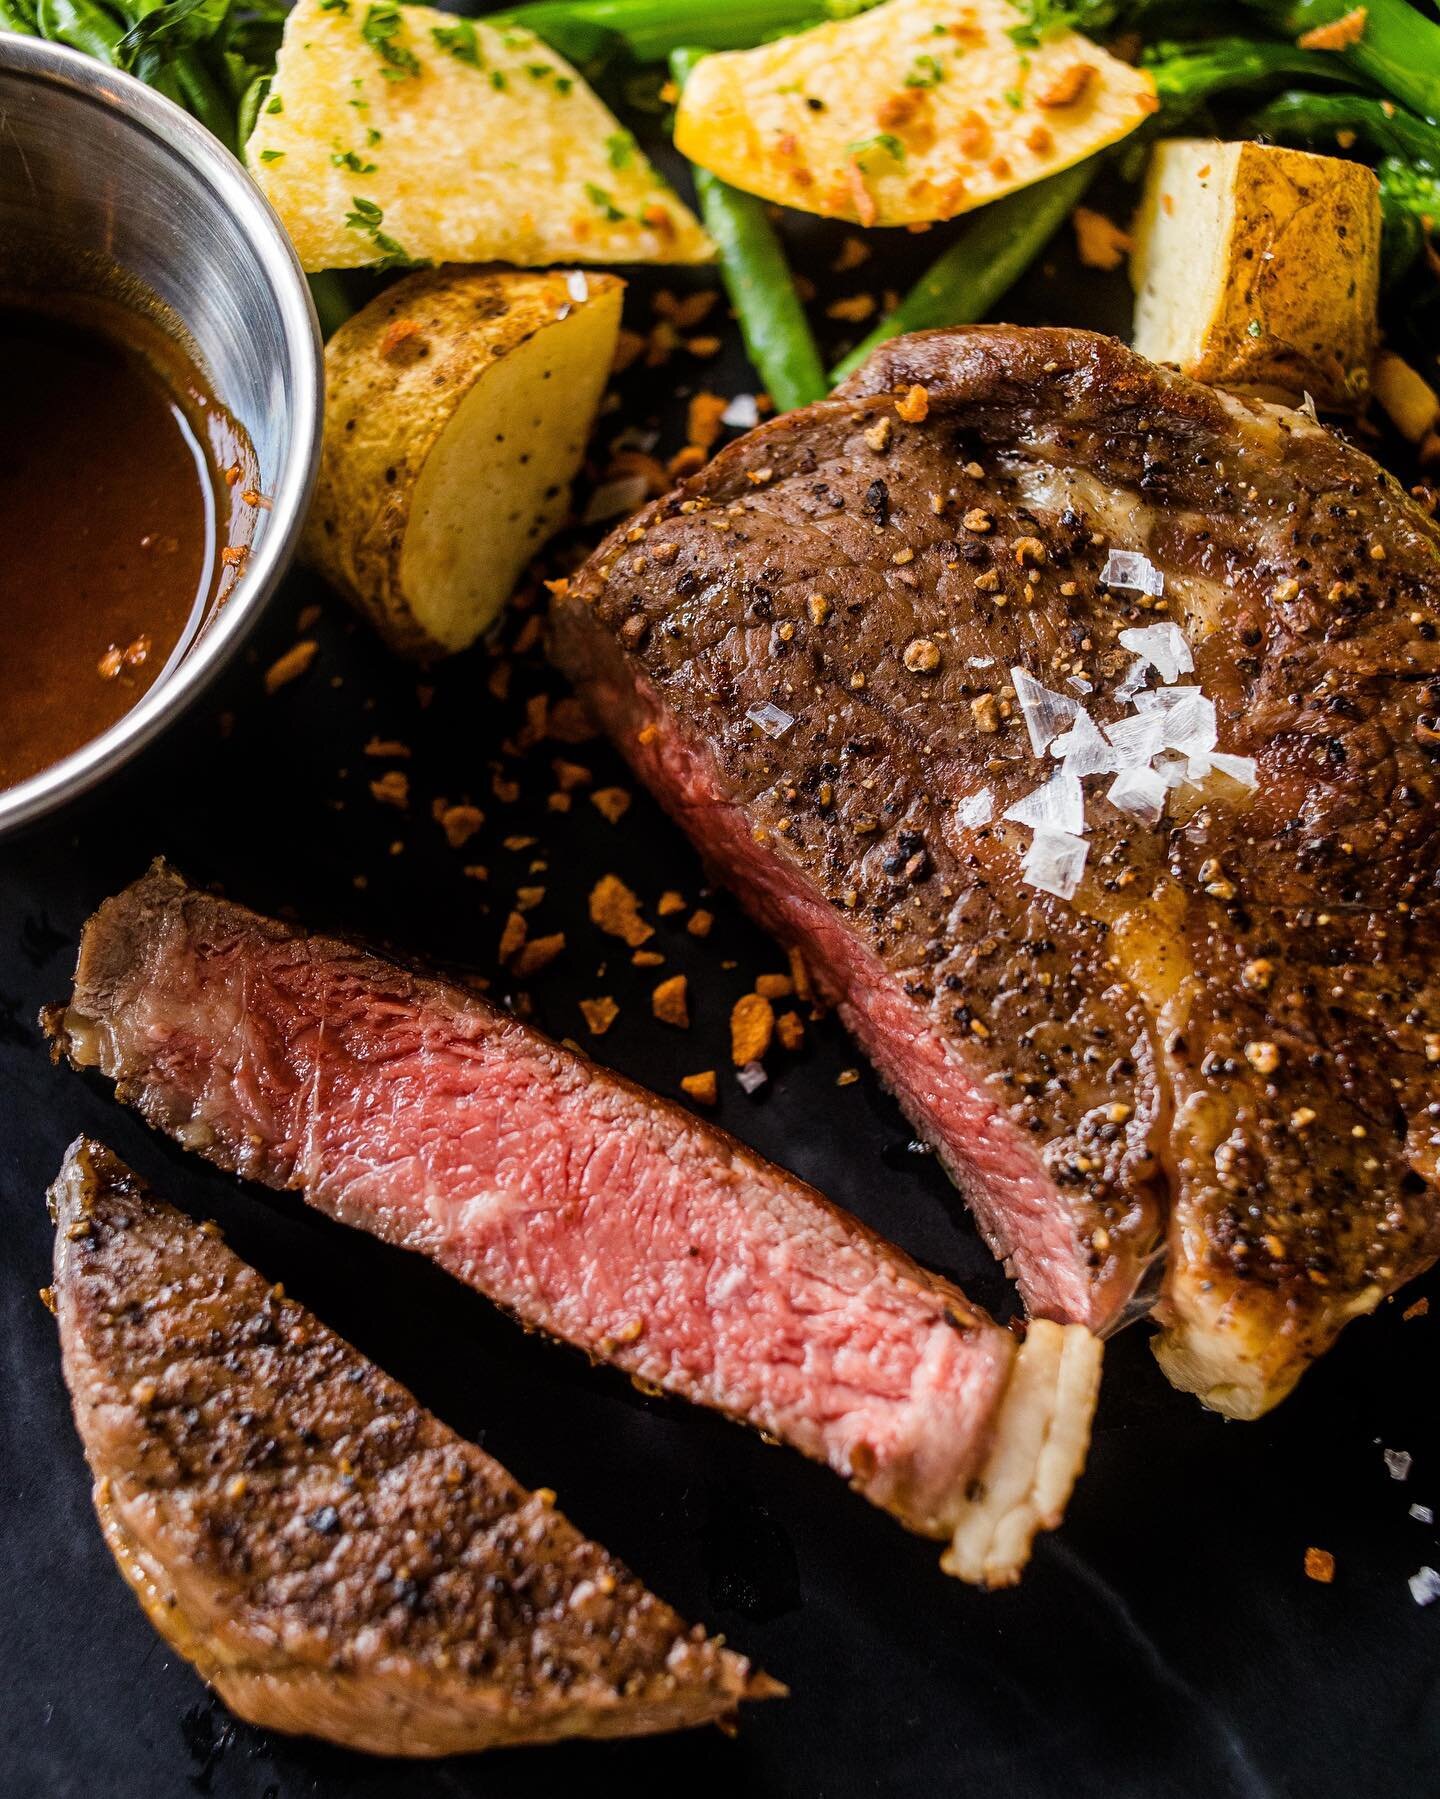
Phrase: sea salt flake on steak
x=1255 y=1237
x=1055 y=861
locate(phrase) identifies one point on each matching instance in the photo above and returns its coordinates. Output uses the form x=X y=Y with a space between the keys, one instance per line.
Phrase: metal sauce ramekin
x=106 y=184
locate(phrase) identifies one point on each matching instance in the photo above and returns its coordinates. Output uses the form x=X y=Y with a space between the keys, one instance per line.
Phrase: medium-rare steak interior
x=1080 y=724
x=331 y=1557
x=588 y=1208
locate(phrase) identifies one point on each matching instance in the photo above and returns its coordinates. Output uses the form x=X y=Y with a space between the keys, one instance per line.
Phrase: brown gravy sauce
x=127 y=501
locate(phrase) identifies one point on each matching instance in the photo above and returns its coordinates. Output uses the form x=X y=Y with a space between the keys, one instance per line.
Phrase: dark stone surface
x=1165 y=1641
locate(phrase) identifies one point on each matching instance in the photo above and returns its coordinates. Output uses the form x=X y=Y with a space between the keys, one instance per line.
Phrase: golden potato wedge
x=913 y=112
x=1258 y=267
x=398 y=132
x=1404 y=395
x=457 y=409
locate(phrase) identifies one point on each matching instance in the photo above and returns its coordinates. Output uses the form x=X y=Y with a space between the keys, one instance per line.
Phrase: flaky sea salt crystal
x=1055 y=862
x=1137 y=740
x=1190 y=725
x=1398 y=1462
x=1307 y=406
x=742 y=412
x=1135 y=678
x=1173 y=770
x=1422 y=1514
x=1082 y=750
x=976 y=809
x=752 y=1077
x=1046 y=713
x=1078 y=684
x=577 y=287
x=1057 y=805
x=1140 y=792
x=1162 y=645
x=979 y=662
x=1240 y=769
x=1424 y=1586
x=774 y=721
x=1134 y=571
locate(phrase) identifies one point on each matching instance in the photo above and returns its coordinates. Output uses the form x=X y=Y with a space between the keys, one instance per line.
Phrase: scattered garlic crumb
x=289 y=667
x=600 y=1014
x=752 y=1026
x=669 y=1002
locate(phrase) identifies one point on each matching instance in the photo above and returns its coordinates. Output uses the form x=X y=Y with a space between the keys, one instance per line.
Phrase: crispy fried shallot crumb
x=671 y=902
x=611 y=803
x=600 y=1014
x=752 y=1026
x=700 y=922
x=1339 y=34
x=669 y=1002
x=774 y=986
x=392 y=789
x=617 y=911
x=1100 y=242
x=914 y=405
x=790 y=1030
x=512 y=938
x=703 y=1088
x=538 y=953
x=1319 y=1565
x=294 y=663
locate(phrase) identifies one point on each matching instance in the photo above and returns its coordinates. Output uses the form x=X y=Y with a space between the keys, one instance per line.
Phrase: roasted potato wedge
x=913 y=112
x=397 y=133
x=457 y=409
x=1258 y=267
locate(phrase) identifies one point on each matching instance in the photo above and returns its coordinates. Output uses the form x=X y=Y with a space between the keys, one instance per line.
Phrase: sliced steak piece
x=585 y=1206
x=331 y=1558
x=1218 y=1057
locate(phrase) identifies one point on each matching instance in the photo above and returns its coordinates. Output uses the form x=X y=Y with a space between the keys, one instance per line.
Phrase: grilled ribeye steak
x=1211 y=1072
x=585 y=1206
x=331 y=1557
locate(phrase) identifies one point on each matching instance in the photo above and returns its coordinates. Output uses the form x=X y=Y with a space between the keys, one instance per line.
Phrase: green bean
x=1398 y=48
x=1186 y=75
x=18 y=16
x=82 y=24
x=332 y=301
x=758 y=280
x=996 y=246
x=652 y=29
x=1320 y=118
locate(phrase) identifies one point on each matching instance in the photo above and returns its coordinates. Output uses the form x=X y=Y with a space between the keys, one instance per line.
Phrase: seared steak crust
x=1223 y=1051
x=585 y=1206
x=330 y=1556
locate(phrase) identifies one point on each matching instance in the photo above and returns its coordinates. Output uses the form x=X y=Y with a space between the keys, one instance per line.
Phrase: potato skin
x=395 y=374
x=1282 y=298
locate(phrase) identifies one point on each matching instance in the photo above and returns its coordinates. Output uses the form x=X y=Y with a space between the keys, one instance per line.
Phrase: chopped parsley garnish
x=275 y=104
x=620 y=149
x=381 y=26
x=597 y=196
x=460 y=40
x=883 y=140
x=340 y=6
x=925 y=71
x=1048 y=18
x=498 y=80
x=271 y=155
x=563 y=84
x=1013 y=98
x=352 y=160
x=366 y=216
x=373 y=134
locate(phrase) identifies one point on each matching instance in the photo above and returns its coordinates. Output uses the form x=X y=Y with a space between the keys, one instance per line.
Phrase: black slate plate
x=1165 y=1641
